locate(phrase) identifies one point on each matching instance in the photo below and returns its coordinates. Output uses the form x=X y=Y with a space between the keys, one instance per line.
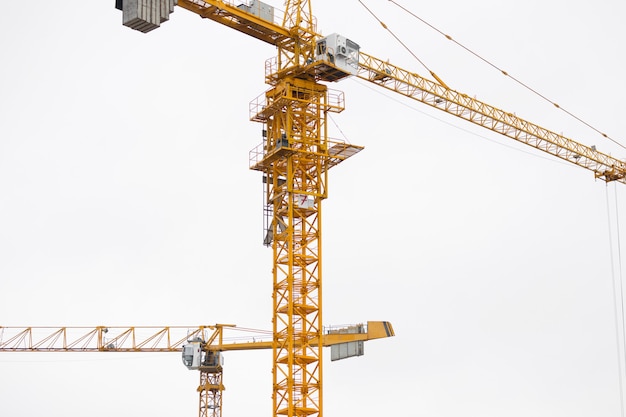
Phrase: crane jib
x=409 y=84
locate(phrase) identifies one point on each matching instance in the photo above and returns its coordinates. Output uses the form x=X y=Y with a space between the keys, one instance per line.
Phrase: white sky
x=126 y=199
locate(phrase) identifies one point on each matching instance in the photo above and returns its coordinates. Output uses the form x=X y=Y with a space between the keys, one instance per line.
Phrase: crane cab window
x=321 y=48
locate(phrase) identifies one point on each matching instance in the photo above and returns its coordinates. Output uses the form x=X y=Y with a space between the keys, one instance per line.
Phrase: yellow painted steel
x=210 y=392
x=170 y=339
x=100 y=338
x=157 y=338
x=439 y=96
x=227 y=13
x=295 y=159
x=296 y=36
x=165 y=339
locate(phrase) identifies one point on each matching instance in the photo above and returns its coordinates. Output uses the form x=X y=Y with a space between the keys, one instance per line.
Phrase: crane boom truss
x=103 y=338
x=124 y=339
x=411 y=85
x=158 y=338
x=171 y=339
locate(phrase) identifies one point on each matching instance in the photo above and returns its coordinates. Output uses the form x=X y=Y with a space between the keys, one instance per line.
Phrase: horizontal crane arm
x=152 y=339
x=436 y=95
x=101 y=338
x=373 y=330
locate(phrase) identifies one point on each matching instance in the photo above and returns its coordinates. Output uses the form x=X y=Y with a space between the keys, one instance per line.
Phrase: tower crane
x=201 y=346
x=294 y=159
x=296 y=155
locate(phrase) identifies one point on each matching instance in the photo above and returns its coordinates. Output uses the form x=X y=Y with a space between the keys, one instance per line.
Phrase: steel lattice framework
x=294 y=159
x=105 y=339
x=210 y=391
x=410 y=84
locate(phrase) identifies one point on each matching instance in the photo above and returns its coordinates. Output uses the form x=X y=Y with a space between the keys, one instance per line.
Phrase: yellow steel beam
x=102 y=338
x=373 y=330
x=150 y=339
x=439 y=96
x=228 y=14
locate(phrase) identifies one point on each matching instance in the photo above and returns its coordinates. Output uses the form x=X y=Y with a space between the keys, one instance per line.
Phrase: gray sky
x=126 y=199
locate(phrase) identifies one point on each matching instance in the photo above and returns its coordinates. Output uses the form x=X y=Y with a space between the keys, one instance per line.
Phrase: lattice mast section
x=296 y=183
x=300 y=48
x=210 y=393
x=295 y=176
x=294 y=158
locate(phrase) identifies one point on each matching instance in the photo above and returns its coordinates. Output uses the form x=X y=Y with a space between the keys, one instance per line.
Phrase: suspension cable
x=439 y=80
x=620 y=271
x=618 y=299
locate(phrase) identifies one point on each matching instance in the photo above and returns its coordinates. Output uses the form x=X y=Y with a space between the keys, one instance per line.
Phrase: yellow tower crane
x=296 y=154
x=201 y=346
x=294 y=159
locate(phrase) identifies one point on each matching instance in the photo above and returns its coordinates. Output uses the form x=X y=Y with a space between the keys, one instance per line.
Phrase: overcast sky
x=126 y=199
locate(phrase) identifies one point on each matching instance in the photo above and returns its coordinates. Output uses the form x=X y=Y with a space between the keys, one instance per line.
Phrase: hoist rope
x=345 y=138
x=505 y=73
x=618 y=297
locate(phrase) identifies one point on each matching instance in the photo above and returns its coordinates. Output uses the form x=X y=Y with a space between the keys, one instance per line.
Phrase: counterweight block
x=145 y=15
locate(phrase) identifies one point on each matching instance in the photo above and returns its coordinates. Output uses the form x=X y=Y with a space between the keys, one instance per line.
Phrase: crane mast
x=294 y=160
x=296 y=185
